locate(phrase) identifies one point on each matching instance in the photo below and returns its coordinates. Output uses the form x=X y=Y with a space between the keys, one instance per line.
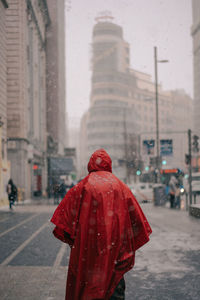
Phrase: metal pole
x=139 y=141
x=157 y=116
x=126 y=148
x=190 y=167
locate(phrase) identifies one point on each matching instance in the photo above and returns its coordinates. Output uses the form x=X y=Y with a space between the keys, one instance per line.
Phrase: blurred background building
x=195 y=32
x=61 y=159
x=121 y=117
x=55 y=52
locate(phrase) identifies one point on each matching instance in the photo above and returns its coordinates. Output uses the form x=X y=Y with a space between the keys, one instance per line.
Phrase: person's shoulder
x=79 y=185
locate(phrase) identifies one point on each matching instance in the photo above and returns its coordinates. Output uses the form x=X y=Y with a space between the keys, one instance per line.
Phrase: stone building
x=55 y=55
x=4 y=164
x=122 y=109
x=26 y=25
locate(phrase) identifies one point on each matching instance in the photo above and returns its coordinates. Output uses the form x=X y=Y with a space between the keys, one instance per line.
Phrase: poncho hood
x=100 y=161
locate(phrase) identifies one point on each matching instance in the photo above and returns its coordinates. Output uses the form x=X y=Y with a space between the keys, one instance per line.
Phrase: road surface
x=33 y=264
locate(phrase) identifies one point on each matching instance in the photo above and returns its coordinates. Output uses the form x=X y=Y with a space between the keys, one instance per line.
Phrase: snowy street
x=34 y=263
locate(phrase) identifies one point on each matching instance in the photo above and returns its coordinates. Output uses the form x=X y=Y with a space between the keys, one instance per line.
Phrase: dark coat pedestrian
x=62 y=190
x=12 y=193
x=56 y=193
x=104 y=225
x=172 y=191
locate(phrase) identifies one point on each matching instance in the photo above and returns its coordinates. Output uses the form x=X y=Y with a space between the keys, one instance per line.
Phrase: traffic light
x=138 y=172
x=187 y=159
x=195 y=143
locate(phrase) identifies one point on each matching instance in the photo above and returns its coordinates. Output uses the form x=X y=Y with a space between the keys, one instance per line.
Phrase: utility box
x=159 y=195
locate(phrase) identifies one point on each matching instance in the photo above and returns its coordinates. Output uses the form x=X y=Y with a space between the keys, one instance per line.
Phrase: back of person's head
x=100 y=161
x=10 y=181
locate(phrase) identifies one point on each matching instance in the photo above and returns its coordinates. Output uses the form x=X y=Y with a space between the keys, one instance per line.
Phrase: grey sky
x=146 y=23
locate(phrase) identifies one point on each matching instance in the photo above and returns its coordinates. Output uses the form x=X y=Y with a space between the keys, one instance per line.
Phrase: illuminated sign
x=35 y=167
x=167 y=171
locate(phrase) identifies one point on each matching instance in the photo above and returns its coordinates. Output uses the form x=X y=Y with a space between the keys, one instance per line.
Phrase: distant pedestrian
x=104 y=225
x=12 y=193
x=56 y=193
x=172 y=191
x=178 y=197
x=62 y=190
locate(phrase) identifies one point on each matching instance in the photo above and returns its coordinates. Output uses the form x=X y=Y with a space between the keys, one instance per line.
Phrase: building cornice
x=18 y=139
x=31 y=10
x=5 y=3
x=45 y=11
x=45 y=14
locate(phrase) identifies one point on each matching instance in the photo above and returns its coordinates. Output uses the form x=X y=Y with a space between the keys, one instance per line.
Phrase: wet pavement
x=33 y=264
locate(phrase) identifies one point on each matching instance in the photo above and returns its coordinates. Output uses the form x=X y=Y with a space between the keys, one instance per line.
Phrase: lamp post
x=156 y=61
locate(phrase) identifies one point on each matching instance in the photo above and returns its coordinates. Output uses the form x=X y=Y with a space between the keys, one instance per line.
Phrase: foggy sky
x=146 y=23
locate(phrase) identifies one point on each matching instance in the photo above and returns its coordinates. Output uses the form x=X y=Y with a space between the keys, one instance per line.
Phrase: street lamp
x=156 y=61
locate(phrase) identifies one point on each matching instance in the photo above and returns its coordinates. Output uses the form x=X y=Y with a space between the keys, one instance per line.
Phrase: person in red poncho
x=104 y=225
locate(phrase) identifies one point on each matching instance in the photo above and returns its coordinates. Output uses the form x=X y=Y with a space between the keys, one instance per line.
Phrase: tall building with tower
x=121 y=117
x=111 y=118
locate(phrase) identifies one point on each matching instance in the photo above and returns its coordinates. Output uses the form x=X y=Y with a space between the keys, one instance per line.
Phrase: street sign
x=166 y=147
x=148 y=147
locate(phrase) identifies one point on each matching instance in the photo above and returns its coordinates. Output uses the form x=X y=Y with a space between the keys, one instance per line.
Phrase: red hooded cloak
x=103 y=223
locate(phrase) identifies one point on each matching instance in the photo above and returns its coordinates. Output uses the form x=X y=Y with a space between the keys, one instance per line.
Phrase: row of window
x=112 y=91
x=109 y=124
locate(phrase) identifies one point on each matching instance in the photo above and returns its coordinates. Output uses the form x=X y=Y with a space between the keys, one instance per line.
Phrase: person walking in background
x=56 y=193
x=12 y=193
x=62 y=189
x=172 y=191
x=104 y=225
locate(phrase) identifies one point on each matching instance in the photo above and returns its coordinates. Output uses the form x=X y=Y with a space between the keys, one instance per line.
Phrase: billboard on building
x=60 y=166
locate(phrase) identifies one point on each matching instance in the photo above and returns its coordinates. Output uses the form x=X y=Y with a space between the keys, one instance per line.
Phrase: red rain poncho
x=105 y=226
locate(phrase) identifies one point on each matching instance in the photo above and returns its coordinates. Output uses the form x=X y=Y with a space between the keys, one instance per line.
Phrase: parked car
x=143 y=191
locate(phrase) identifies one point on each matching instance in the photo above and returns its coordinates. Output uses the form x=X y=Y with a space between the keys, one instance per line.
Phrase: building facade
x=26 y=24
x=56 y=105
x=121 y=117
x=4 y=164
x=195 y=32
